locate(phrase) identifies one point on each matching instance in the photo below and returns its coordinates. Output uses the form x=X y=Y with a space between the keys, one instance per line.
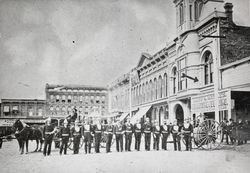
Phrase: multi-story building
x=31 y=111
x=191 y=75
x=61 y=99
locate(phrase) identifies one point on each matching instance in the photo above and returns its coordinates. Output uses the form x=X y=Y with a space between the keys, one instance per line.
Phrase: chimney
x=229 y=11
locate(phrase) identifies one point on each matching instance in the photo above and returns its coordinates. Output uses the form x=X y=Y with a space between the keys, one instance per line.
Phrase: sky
x=88 y=42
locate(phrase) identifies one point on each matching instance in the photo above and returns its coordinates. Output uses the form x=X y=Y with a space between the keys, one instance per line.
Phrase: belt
x=86 y=131
x=164 y=132
x=109 y=132
x=137 y=131
x=75 y=134
x=48 y=133
x=98 y=131
x=118 y=133
x=147 y=131
x=65 y=134
x=157 y=132
x=128 y=131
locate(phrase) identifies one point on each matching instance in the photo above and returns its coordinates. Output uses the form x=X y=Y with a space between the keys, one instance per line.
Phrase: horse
x=24 y=133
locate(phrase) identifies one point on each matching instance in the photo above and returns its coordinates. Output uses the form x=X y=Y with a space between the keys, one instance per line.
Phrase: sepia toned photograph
x=125 y=86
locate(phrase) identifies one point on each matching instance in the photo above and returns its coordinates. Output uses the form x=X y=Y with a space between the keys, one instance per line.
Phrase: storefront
x=205 y=105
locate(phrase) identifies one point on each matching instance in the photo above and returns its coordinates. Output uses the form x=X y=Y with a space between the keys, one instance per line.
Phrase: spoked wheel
x=208 y=135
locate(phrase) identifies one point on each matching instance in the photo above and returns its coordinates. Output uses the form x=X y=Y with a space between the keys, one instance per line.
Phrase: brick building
x=31 y=111
x=192 y=75
x=61 y=99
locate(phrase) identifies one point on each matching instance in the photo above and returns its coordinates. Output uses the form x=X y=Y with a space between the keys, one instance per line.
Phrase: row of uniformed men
x=88 y=131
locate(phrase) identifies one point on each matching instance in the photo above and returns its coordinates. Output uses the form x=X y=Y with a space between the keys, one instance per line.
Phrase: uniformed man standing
x=98 y=128
x=87 y=133
x=76 y=132
x=147 y=129
x=109 y=135
x=224 y=130
x=164 y=133
x=48 y=133
x=156 y=135
x=128 y=135
x=137 y=133
x=187 y=130
x=119 y=131
x=175 y=130
x=64 y=136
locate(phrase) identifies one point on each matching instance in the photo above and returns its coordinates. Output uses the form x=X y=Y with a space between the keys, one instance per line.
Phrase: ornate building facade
x=190 y=77
x=62 y=99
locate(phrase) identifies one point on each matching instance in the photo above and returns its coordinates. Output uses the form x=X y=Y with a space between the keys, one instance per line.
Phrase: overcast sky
x=88 y=42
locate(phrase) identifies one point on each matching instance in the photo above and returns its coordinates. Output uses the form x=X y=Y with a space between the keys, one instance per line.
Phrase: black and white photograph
x=125 y=86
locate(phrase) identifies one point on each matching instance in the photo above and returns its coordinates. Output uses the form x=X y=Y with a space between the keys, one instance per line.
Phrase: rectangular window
x=182 y=70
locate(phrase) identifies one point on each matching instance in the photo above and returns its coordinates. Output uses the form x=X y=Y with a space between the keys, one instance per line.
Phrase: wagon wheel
x=208 y=135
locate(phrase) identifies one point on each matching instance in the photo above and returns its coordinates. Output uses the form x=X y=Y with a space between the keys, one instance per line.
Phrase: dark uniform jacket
x=165 y=129
x=87 y=130
x=175 y=129
x=187 y=129
x=119 y=129
x=109 y=129
x=64 y=133
x=128 y=128
x=147 y=128
x=76 y=132
x=47 y=132
x=98 y=128
x=138 y=128
x=157 y=130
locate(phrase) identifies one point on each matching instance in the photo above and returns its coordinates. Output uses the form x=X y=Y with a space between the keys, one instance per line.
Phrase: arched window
x=197 y=9
x=139 y=95
x=151 y=90
x=165 y=88
x=181 y=13
x=208 y=67
x=143 y=93
x=174 y=76
x=160 y=87
x=155 y=89
x=146 y=91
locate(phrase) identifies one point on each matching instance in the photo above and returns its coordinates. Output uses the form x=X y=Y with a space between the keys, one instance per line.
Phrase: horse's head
x=18 y=125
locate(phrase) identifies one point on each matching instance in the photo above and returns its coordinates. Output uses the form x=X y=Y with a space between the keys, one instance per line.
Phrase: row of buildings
x=59 y=103
x=204 y=71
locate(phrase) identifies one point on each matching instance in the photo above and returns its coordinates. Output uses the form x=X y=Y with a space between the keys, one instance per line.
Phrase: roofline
x=74 y=86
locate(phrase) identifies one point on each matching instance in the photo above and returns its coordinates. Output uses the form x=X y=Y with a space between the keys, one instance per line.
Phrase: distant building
x=61 y=99
x=31 y=111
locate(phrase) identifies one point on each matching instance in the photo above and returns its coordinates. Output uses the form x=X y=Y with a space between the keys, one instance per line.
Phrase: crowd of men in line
x=227 y=130
x=119 y=131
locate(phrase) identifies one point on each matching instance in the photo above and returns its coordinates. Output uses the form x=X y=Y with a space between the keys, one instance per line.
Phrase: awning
x=123 y=116
x=142 y=111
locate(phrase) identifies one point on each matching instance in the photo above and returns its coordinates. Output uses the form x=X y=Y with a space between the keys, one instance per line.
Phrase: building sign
x=7 y=122
x=206 y=102
x=10 y=122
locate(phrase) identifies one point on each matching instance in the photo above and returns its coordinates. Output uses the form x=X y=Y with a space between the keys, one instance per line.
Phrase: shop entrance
x=179 y=114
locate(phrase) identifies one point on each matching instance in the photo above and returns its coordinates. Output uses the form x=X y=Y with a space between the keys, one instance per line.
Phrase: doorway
x=179 y=115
